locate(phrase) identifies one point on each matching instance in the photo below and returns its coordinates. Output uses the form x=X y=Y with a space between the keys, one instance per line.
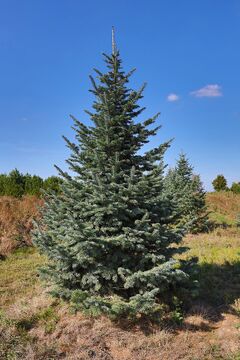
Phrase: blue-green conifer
x=108 y=235
x=186 y=192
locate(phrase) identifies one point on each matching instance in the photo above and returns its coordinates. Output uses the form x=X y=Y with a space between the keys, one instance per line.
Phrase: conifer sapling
x=186 y=191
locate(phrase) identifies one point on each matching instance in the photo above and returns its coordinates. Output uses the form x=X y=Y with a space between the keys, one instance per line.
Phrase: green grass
x=18 y=275
x=17 y=344
x=218 y=265
x=47 y=318
x=19 y=284
x=221 y=219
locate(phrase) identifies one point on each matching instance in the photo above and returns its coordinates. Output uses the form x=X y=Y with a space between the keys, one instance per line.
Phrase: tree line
x=17 y=184
x=220 y=184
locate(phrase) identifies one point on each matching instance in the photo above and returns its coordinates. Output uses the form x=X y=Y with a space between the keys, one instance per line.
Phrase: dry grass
x=34 y=326
x=16 y=221
x=74 y=336
x=225 y=207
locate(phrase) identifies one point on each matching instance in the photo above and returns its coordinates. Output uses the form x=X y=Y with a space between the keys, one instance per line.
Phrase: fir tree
x=186 y=192
x=33 y=184
x=14 y=184
x=220 y=183
x=108 y=234
x=52 y=183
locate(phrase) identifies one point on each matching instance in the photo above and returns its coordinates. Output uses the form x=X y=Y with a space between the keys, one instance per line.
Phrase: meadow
x=33 y=325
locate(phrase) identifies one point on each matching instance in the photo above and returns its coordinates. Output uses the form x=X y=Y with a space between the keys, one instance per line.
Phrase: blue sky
x=187 y=51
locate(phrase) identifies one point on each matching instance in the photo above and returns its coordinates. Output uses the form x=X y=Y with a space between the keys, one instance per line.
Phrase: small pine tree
x=186 y=191
x=33 y=185
x=14 y=184
x=52 y=183
x=220 y=183
x=108 y=235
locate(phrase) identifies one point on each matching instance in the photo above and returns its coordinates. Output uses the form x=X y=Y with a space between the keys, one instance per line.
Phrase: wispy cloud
x=173 y=97
x=211 y=90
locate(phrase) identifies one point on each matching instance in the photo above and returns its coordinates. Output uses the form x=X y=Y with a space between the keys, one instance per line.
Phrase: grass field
x=34 y=326
x=224 y=207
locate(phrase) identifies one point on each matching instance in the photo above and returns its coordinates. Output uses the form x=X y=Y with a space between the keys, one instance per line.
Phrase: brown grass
x=225 y=206
x=16 y=221
x=74 y=336
x=35 y=326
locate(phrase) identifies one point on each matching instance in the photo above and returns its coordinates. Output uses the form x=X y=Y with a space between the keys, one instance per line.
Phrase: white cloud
x=173 y=97
x=211 y=90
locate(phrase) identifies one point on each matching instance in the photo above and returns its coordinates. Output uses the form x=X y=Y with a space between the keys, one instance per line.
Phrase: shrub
x=235 y=188
x=16 y=221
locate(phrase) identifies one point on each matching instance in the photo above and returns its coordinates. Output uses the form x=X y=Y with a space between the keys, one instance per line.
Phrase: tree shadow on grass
x=219 y=284
x=219 y=287
x=213 y=225
x=150 y=327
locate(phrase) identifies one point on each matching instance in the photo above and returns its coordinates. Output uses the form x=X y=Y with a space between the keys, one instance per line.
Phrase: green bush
x=235 y=188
